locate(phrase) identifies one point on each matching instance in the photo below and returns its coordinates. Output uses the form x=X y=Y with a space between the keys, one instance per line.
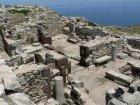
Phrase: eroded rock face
x=20 y=99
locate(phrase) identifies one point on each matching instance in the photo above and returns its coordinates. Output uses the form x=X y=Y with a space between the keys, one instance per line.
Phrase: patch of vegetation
x=131 y=30
x=23 y=11
x=30 y=40
x=18 y=36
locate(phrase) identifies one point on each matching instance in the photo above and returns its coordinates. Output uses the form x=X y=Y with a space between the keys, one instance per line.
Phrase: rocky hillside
x=131 y=30
x=21 y=21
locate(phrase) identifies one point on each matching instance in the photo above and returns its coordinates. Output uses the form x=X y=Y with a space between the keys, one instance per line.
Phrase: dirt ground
x=60 y=42
x=94 y=79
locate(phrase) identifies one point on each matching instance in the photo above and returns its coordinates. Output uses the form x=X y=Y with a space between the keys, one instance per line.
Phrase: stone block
x=2 y=91
x=20 y=99
x=38 y=58
x=61 y=61
x=113 y=75
x=77 y=91
x=131 y=63
x=11 y=82
x=67 y=92
x=122 y=55
x=89 y=38
x=77 y=83
x=46 y=72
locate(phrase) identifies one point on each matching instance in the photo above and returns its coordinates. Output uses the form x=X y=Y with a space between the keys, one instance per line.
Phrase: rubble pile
x=76 y=93
x=124 y=96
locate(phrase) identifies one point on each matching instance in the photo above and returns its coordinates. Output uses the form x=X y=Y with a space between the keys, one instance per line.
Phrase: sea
x=122 y=13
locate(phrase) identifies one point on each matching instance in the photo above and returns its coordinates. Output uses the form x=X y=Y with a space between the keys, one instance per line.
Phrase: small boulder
x=21 y=99
x=11 y=82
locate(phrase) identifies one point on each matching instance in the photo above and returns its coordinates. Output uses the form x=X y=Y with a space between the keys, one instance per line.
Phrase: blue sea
x=103 y=12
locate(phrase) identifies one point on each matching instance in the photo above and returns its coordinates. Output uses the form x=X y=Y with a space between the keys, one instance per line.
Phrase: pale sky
x=59 y=2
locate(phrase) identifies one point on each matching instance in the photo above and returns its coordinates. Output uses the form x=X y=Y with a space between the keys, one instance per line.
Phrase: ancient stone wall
x=105 y=48
x=36 y=84
x=91 y=31
x=135 y=43
x=91 y=52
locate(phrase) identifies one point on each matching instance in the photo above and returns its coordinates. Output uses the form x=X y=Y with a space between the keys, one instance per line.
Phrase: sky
x=59 y=2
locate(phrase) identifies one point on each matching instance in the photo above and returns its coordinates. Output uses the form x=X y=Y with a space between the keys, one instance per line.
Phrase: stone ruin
x=134 y=42
x=40 y=73
x=128 y=77
x=85 y=30
x=124 y=96
x=93 y=50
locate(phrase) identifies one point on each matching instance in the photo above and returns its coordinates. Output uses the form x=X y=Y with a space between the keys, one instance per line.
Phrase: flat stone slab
x=135 y=55
x=103 y=59
x=33 y=49
x=131 y=63
x=122 y=55
x=115 y=101
x=136 y=66
x=119 y=77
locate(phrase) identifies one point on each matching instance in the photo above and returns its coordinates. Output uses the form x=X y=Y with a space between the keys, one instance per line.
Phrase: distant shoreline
x=123 y=16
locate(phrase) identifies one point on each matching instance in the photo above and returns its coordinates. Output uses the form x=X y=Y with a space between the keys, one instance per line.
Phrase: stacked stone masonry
x=91 y=51
x=135 y=43
x=36 y=84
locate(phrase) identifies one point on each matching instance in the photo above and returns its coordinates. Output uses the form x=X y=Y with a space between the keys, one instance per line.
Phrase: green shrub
x=18 y=36
x=32 y=40
x=23 y=11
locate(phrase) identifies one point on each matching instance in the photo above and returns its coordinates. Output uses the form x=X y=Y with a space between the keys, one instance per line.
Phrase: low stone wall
x=91 y=31
x=91 y=50
x=135 y=43
x=105 y=48
x=36 y=83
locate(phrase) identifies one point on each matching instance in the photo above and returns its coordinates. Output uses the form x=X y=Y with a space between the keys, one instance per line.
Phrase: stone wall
x=91 y=51
x=91 y=31
x=83 y=27
x=105 y=48
x=135 y=43
x=36 y=83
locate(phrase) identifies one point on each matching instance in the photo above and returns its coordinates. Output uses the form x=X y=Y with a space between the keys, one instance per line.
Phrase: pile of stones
x=76 y=93
x=124 y=96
